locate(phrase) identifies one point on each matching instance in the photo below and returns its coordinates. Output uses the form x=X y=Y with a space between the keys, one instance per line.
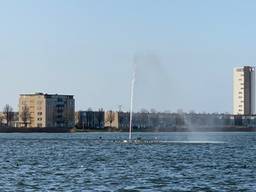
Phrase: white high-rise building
x=244 y=91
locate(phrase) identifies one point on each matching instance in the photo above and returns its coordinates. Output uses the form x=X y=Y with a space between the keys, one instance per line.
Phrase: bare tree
x=25 y=116
x=180 y=111
x=144 y=111
x=8 y=114
x=153 y=110
x=143 y=119
x=110 y=117
x=89 y=109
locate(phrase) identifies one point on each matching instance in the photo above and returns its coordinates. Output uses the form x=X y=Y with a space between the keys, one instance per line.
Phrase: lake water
x=83 y=162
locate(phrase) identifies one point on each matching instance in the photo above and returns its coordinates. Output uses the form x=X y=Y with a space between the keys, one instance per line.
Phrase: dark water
x=82 y=162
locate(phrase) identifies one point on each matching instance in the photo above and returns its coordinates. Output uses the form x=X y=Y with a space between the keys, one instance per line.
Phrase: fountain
x=131 y=106
x=138 y=140
x=130 y=140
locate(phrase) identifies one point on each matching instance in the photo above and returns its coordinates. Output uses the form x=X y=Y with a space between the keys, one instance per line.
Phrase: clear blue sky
x=186 y=50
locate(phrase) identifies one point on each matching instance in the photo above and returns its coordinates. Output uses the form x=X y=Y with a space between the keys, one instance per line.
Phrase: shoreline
x=34 y=130
x=173 y=129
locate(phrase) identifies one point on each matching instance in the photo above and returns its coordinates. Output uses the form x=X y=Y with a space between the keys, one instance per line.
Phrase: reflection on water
x=96 y=162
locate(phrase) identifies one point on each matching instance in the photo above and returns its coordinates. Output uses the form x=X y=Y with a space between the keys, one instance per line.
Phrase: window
x=60 y=100
x=39 y=102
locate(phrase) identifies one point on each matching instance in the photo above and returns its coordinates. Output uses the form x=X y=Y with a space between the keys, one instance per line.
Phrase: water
x=84 y=162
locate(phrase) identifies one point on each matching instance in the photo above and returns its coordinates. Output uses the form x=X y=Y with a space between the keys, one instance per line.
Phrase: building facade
x=244 y=91
x=111 y=119
x=46 y=110
x=90 y=119
x=14 y=122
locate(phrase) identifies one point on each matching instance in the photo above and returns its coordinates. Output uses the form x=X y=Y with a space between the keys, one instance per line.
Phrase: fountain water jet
x=131 y=106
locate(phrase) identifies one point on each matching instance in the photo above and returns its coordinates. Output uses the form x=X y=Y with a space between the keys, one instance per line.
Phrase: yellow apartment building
x=46 y=110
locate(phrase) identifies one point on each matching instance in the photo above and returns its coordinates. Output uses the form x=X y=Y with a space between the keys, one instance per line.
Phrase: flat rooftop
x=46 y=94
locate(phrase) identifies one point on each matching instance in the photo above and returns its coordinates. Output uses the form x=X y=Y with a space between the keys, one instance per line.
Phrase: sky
x=184 y=51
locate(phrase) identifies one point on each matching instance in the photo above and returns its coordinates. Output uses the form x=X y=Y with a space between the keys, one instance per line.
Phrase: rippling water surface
x=96 y=162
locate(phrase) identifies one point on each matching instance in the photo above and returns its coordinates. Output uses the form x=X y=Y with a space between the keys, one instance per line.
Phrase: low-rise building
x=90 y=119
x=111 y=119
x=14 y=121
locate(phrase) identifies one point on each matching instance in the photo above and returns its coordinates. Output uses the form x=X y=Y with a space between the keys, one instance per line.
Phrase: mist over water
x=154 y=88
x=158 y=90
x=165 y=83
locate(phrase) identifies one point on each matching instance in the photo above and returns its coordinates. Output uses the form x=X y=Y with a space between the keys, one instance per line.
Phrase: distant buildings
x=57 y=111
x=159 y=121
x=119 y=120
x=102 y=119
x=111 y=119
x=45 y=110
x=244 y=95
x=90 y=119
x=14 y=120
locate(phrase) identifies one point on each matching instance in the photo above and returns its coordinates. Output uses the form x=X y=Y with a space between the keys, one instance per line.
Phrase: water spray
x=131 y=107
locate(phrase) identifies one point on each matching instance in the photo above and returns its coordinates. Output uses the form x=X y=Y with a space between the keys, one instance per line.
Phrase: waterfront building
x=14 y=122
x=111 y=119
x=123 y=120
x=244 y=91
x=90 y=119
x=46 y=110
x=2 y=119
x=99 y=119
